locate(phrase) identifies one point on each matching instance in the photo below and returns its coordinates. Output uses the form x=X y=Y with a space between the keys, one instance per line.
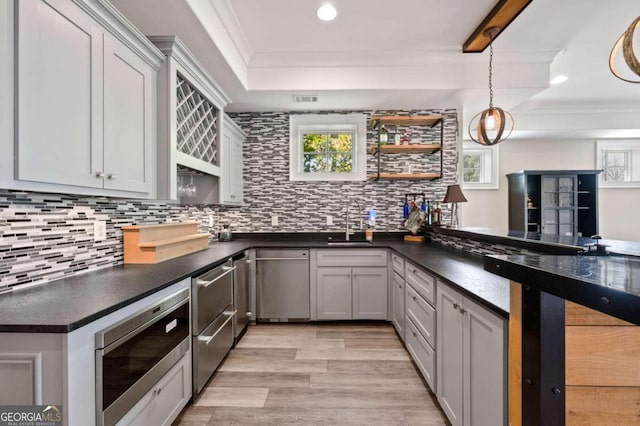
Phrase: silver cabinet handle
x=227 y=269
x=463 y=311
x=248 y=313
x=111 y=176
x=209 y=339
x=100 y=175
x=281 y=258
x=456 y=306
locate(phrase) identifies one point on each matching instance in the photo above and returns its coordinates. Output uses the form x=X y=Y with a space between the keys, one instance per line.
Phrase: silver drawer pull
x=414 y=298
x=100 y=175
x=209 y=339
x=281 y=258
x=111 y=176
x=248 y=313
x=463 y=311
x=226 y=269
x=456 y=306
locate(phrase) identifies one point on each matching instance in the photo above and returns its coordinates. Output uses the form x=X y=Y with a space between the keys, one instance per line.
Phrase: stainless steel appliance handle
x=208 y=339
x=226 y=269
x=282 y=258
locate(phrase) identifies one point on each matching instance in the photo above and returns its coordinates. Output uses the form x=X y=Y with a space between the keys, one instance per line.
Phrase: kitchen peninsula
x=574 y=338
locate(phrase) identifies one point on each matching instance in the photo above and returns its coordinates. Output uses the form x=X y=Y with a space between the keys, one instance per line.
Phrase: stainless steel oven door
x=210 y=348
x=211 y=293
x=128 y=368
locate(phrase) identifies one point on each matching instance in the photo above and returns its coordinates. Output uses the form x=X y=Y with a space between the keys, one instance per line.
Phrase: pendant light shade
x=626 y=42
x=493 y=125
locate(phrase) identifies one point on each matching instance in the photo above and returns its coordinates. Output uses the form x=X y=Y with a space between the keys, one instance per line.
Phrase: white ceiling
x=405 y=54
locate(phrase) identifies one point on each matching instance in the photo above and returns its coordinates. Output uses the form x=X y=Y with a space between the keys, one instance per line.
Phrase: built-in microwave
x=133 y=354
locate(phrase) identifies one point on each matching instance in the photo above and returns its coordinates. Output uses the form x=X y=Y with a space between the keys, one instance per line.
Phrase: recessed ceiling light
x=559 y=79
x=327 y=12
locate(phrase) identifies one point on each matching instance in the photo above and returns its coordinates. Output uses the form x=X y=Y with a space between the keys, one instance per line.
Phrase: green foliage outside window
x=328 y=152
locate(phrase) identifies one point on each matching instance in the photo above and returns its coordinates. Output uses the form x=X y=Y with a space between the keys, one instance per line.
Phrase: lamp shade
x=454 y=195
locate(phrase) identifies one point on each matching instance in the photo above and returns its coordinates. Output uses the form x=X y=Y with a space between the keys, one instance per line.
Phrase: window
x=327 y=147
x=618 y=160
x=479 y=166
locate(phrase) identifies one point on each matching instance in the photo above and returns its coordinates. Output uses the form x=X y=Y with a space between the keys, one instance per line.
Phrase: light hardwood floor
x=316 y=374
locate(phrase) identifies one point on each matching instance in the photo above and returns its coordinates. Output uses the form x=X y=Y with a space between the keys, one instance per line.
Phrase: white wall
x=618 y=208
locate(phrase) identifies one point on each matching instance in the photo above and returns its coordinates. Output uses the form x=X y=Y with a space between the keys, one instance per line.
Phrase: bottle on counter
x=383 y=135
x=437 y=215
x=369 y=233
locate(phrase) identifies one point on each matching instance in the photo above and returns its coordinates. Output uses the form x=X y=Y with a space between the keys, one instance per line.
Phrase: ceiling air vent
x=305 y=98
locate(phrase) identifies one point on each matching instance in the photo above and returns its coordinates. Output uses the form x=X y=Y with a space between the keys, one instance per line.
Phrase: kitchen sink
x=349 y=243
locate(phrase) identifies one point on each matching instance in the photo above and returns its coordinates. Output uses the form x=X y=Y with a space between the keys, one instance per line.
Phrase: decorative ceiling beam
x=502 y=14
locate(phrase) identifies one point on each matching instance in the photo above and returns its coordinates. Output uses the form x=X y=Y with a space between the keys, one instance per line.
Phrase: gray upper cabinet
x=232 y=180
x=471 y=362
x=59 y=93
x=85 y=92
x=190 y=130
x=128 y=119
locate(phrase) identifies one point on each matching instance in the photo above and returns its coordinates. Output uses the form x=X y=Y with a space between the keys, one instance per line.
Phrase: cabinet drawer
x=352 y=257
x=398 y=264
x=421 y=282
x=422 y=314
x=162 y=404
x=422 y=353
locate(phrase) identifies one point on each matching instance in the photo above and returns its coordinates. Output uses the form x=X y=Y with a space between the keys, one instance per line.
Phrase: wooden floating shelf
x=157 y=243
x=407 y=149
x=409 y=120
x=405 y=176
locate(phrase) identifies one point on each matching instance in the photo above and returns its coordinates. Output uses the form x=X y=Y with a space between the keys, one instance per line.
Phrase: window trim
x=355 y=124
x=629 y=146
x=491 y=160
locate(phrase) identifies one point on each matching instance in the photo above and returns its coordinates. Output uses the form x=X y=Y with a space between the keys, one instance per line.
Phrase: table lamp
x=454 y=196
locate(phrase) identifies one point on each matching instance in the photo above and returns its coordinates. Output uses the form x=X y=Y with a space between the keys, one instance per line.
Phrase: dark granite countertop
x=542 y=243
x=65 y=305
x=609 y=284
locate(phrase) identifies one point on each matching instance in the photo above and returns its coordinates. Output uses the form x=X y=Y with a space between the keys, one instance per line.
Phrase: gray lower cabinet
x=162 y=404
x=369 y=291
x=351 y=293
x=420 y=321
x=349 y=284
x=333 y=295
x=471 y=362
x=397 y=307
x=397 y=293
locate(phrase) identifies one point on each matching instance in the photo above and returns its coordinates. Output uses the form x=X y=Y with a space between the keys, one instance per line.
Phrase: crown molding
x=396 y=58
x=173 y=47
x=234 y=29
x=122 y=29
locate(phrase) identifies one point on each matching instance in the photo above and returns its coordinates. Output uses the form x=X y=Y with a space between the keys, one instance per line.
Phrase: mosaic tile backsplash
x=44 y=237
x=304 y=206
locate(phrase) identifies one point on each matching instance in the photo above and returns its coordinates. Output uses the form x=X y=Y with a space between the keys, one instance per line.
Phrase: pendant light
x=626 y=42
x=493 y=125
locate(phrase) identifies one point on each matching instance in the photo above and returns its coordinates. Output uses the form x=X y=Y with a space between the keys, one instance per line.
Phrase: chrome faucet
x=346 y=221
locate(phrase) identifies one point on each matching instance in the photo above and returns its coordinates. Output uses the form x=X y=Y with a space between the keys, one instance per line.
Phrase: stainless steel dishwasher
x=282 y=285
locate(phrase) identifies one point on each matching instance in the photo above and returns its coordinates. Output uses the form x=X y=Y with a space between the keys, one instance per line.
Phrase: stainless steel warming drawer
x=212 y=316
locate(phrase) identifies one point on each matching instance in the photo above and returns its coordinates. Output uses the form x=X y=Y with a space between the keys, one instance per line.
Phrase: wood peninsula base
x=569 y=364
